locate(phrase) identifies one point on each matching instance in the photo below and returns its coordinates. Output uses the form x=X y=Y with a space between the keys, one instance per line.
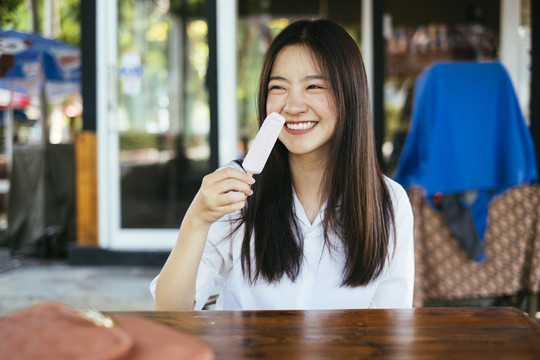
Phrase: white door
x=154 y=116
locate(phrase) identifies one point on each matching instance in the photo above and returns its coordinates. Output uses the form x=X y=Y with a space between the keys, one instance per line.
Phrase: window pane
x=163 y=111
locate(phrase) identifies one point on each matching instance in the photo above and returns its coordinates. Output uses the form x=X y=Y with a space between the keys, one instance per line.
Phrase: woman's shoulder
x=397 y=192
x=400 y=199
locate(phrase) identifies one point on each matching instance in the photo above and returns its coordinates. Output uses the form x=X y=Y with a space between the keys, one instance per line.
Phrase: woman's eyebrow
x=277 y=78
x=314 y=77
x=306 y=78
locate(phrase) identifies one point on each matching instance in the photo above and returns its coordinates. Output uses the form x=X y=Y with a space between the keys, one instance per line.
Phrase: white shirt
x=317 y=285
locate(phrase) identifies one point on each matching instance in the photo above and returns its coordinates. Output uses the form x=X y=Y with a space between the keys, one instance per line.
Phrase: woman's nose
x=295 y=104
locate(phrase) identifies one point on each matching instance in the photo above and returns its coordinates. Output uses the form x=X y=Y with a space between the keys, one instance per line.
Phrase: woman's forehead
x=297 y=55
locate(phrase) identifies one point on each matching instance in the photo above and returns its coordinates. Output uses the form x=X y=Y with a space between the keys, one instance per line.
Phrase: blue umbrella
x=27 y=61
x=30 y=63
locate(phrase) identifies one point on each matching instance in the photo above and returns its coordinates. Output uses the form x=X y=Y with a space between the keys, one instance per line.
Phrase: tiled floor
x=27 y=281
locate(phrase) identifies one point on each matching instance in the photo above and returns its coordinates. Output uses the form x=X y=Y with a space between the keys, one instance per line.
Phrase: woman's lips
x=299 y=127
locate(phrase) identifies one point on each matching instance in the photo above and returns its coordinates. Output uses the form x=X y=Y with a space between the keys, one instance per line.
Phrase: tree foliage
x=10 y=11
x=16 y=14
x=70 y=21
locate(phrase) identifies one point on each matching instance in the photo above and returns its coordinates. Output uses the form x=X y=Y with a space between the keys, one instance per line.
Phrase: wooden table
x=425 y=333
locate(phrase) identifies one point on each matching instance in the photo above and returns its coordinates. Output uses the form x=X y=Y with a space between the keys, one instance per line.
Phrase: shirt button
x=307 y=283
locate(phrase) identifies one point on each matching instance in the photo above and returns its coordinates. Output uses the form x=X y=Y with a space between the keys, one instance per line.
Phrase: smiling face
x=298 y=91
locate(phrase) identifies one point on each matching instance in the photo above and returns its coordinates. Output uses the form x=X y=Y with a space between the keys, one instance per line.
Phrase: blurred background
x=98 y=165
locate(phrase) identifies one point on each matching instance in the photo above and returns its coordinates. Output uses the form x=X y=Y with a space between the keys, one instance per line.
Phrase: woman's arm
x=221 y=193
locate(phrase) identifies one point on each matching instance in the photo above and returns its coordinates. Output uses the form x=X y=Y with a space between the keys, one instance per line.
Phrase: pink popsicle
x=263 y=143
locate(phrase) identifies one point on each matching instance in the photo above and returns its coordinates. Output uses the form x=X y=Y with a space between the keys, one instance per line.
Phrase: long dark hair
x=359 y=208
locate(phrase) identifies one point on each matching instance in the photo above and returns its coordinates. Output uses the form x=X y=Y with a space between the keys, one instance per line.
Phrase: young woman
x=321 y=227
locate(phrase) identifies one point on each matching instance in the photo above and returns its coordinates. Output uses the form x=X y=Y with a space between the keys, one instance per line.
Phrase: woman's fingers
x=226 y=180
x=230 y=173
x=225 y=193
x=231 y=207
x=228 y=185
x=225 y=190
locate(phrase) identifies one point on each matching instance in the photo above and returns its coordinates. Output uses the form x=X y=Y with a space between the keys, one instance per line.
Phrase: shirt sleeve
x=395 y=289
x=216 y=262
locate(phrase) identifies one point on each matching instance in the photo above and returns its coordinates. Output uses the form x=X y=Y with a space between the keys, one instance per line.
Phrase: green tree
x=16 y=14
x=12 y=14
x=70 y=21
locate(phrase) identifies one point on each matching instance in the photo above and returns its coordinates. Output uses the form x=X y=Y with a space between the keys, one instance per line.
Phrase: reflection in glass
x=415 y=39
x=163 y=113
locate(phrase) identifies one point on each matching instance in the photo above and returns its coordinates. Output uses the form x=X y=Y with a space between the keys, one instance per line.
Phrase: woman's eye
x=275 y=87
x=315 y=86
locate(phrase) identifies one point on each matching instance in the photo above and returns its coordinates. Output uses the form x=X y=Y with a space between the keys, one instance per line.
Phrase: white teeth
x=300 y=126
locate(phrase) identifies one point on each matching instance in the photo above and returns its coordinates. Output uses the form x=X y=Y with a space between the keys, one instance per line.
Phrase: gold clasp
x=97 y=318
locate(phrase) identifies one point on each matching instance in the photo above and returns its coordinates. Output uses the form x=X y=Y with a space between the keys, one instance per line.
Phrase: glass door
x=153 y=119
x=163 y=115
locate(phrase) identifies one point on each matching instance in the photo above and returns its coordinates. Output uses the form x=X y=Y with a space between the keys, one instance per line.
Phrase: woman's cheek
x=274 y=104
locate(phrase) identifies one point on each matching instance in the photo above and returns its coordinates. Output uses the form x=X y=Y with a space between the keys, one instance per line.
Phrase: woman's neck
x=307 y=175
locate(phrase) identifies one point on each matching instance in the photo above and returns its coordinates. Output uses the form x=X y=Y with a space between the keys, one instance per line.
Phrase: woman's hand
x=221 y=193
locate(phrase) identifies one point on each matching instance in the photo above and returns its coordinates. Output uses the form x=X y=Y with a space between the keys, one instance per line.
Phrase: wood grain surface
x=424 y=333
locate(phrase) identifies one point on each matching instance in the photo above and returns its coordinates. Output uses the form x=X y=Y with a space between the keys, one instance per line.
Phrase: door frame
x=110 y=233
